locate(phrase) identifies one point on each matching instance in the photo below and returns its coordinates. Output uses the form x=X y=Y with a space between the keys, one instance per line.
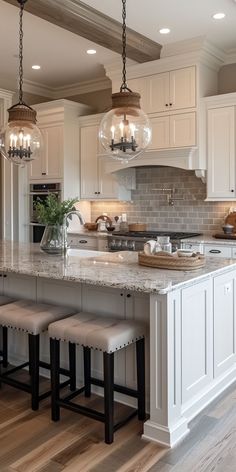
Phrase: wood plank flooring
x=30 y=442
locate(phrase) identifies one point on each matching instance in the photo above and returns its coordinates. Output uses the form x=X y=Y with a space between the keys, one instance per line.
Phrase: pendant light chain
x=124 y=83
x=21 y=34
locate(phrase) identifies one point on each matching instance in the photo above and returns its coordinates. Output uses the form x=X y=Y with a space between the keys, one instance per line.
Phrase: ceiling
x=185 y=18
x=62 y=54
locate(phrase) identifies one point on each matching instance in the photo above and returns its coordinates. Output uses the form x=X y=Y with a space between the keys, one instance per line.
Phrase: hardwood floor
x=30 y=442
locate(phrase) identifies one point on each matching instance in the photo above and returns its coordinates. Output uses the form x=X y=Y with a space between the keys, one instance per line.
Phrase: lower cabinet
x=197 y=339
x=94 y=243
x=224 y=323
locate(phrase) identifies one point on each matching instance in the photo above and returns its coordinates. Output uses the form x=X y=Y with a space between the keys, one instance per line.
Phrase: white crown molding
x=6 y=94
x=88 y=86
x=230 y=56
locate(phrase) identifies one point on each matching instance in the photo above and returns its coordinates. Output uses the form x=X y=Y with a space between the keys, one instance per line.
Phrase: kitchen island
x=191 y=357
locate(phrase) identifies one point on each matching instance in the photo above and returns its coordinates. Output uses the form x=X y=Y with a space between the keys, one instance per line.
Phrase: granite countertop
x=208 y=239
x=114 y=270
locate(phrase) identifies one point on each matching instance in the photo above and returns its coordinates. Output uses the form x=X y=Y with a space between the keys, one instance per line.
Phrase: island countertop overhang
x=114 y=270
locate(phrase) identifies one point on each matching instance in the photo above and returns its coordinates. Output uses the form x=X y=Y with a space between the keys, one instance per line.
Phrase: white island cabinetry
x=190 y=318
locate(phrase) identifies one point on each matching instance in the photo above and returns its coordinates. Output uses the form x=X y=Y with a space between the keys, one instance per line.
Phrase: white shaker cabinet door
x=89 y=167
x=183 y=88
x=140 y=85
x=50 y=164
x=221 y=153
x=160 y=133
x=159 y=93
x=224 y=322
x=183 y=130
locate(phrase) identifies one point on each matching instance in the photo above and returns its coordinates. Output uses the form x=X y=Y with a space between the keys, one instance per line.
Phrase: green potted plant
x=52 y=213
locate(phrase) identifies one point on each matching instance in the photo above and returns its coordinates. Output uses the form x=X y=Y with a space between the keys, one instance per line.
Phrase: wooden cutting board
x=225 y=236
x=231 y=220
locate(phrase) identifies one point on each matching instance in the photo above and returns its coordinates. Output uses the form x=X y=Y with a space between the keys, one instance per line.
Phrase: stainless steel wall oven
x=39 y=192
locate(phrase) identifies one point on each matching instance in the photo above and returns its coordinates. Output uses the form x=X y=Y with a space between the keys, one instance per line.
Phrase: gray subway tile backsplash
x=150 y=204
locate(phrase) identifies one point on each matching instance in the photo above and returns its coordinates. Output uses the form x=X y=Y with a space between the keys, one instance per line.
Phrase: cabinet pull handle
x=215 y=251
x=4 y=275
x=95 y=193
x=231 y=190
x=121 y=294
x=98 y=193
x=128 y=296
x=171 y=104
x=167 y=105
x=83 y=241
x=43 y=173
x=0 y=275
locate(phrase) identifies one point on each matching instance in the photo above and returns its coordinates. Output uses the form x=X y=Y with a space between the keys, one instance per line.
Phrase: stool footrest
x=46 y=365
x=117 y=388
x=15 y=369
x=96 y=415
x=125 y=420
x=75 y=393
x=15 y=383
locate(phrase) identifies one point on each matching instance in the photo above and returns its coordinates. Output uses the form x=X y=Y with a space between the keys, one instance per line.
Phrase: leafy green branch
x=52 y=211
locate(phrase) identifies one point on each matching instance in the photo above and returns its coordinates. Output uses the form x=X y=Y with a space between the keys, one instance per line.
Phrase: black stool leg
x=34 y=369
x=108 y=365
x=72 y=365
x=87 y=371
x=4 y=347
x=55 y=378
x=140 y=355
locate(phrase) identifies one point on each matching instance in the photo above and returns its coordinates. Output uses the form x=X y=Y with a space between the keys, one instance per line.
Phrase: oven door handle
x=45 y=193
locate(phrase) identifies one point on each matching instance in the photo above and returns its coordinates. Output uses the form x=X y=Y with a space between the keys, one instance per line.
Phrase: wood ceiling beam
x=79 y=18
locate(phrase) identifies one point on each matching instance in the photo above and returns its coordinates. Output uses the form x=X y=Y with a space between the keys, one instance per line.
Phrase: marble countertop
x=208 y=239
x=117 y=270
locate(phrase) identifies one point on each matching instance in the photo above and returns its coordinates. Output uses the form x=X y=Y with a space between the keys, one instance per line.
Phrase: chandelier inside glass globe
x=21 y=142
x=125 y=133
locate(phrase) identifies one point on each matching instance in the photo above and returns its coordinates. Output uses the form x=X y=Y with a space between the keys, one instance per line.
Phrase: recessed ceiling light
x=218 y=16
x=91 y=51
x=164 y=31
x=36 y=67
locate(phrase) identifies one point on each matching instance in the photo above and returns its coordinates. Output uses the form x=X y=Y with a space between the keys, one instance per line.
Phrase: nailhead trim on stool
x=33 y=319
x=107 y=335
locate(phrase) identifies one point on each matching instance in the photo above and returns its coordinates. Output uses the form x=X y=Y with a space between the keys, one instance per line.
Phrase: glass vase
x=54 y=240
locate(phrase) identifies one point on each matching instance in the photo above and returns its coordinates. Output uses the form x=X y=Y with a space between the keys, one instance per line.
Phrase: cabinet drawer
x=82 y=242
x=233 y=255
x=217 y=251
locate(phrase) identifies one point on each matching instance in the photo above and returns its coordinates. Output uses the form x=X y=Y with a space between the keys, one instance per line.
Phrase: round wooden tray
x=196 y=261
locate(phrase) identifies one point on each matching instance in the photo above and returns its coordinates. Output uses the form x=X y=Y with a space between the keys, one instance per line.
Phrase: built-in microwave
x=39 y=192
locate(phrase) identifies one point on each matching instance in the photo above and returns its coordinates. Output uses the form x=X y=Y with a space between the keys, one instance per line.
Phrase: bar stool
x=3 y=352
x=33 y=319
x=107 y=335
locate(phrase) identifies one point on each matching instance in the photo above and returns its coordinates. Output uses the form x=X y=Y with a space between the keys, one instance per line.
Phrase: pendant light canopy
x=21 y=141
x=125 y=131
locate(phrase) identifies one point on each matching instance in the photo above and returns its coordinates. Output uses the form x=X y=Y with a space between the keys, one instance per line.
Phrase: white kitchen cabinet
x=80 y=241
x=221 y=175
x=197 y=339
x=50 y=164
x=173 y=131
x=174 y=90
x=217 y=251
x=1 y=283
x=59 y=161
x=19 y=286
x=224 y=324
x=96 y=183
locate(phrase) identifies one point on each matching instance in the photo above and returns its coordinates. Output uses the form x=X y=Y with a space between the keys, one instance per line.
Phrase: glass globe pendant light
x=21 y=141
x=125 y=131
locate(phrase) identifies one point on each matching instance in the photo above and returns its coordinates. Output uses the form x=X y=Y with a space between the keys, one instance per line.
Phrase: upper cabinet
x=221 y=147
x=174 y=90
x=59 y=161
x=96 y=183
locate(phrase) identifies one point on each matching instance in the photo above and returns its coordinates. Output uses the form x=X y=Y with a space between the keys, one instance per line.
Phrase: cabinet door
x=1 y=283
x=224 y=323
x=183 y=88
x=160 y=133
x=49 y=165
x=159 y=93
x=89 y=166
x=107 y=184
x=221 y=153
x=183 y=130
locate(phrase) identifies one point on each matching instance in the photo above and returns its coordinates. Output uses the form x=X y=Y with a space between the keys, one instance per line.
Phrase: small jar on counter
x=164 y=242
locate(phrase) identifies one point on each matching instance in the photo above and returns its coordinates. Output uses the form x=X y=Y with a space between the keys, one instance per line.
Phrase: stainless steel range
x=134 y=241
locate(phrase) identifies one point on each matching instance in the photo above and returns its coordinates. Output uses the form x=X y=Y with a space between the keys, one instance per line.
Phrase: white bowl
x=184 y=253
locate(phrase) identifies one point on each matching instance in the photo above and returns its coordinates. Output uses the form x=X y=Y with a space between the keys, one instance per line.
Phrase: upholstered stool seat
x=3 y=352
x=107 y=335
x=33 y=319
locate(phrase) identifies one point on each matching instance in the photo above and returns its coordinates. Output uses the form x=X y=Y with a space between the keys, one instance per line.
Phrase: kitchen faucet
x=65 y=221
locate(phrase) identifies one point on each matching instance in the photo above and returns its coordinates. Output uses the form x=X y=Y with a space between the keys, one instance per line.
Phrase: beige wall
x=227 y=79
